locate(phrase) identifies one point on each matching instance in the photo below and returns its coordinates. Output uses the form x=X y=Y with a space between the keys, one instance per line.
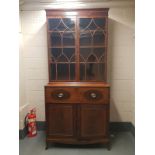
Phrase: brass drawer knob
x=93 y=95
x=60 y=95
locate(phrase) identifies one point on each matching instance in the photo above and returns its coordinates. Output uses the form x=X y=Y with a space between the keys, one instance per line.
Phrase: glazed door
x=62 y=48
x=92 y=48
x=60 y=120
x=93 y=121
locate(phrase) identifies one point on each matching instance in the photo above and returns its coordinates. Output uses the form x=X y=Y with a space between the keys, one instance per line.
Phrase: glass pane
x=84 y=23
x=61 y=26
x=69 y=53
x=72 y=71
x=53 y=71
x=82 y=59
x=72 y=58
x=99 y=53
x=91 y=71
x=53 y=23
x=101 y=71
x=68 y=39
x=92 y=26
x=70 y=23
x=92 y=58
x=62 y=71
x=102 y=59
x=92 y=23
x=55 y=53
x=100 y=22
x=84 y=53
x=58 y=24
x=82 y=71
x=62 y=58
x=85 y=39
x=92 y=54
x=55 y=39
x=99 y=38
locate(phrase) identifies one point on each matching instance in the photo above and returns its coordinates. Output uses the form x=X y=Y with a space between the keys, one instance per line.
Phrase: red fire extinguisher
x=30 y=123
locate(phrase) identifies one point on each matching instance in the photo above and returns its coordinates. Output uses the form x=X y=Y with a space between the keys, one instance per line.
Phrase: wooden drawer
x=61 y=95
x=94 y=95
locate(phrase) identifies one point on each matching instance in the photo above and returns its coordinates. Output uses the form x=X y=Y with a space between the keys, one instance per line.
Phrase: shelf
x=78 y=84
x=62 y=47
x=80 y=62
x=51 y=62
x=91 y=62
x=93 y=46
x=50 y=31
x=98 y=46
x=97 y=30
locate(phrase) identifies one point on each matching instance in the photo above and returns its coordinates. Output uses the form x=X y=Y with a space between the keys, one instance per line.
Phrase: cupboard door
x=93 y=121
x=60 y=120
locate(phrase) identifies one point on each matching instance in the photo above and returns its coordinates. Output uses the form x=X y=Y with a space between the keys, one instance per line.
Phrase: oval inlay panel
x=60 y=94
x=93 y=95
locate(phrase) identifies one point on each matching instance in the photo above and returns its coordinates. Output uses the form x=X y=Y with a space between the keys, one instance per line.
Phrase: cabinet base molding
x=105 y=142
x=114 y=127
x=77 y=142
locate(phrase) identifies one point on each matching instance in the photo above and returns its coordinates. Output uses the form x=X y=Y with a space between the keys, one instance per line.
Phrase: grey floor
x=122 y=144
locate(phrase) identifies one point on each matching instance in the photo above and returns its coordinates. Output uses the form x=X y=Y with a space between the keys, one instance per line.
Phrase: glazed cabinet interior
x=77 y=95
